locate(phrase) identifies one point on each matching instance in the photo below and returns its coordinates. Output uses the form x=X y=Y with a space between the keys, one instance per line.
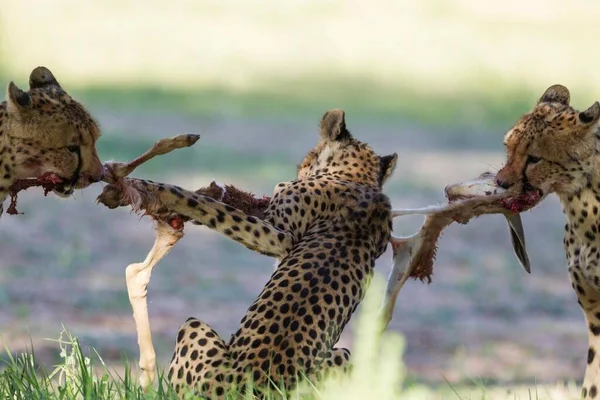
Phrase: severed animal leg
x=416 y=211
x=403 y=248
x=118 y=170
x=414 y=256
x=138 y=277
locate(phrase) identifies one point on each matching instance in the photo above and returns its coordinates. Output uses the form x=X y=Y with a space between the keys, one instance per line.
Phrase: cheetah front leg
x=137 y=278
x=159 y=198
x=588 y=297
x=591 y=381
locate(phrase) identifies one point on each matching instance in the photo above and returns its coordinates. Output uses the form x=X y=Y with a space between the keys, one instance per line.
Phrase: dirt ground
x=482 y=319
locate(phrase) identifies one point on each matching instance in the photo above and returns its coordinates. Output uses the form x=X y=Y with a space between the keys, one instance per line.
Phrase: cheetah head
x=549 y=150
x=53 y=134
x=339 y=153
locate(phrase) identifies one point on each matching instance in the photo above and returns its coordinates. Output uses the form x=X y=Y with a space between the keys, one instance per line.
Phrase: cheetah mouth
x=64 y=189
x=529 y=198
x=60 y=186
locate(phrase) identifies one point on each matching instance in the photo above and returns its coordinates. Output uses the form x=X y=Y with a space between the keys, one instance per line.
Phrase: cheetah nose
x=503 y=184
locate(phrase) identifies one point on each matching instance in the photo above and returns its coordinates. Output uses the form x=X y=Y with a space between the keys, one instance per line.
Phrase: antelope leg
x=161 y=147
x=403 y=248
x=416 y=211
x=137 y=277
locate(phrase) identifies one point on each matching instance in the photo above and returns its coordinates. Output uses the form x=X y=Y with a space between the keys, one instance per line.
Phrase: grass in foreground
x=77 y=376
x=378 y=373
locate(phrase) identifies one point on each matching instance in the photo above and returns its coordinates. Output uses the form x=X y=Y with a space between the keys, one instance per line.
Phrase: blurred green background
x=439 y=82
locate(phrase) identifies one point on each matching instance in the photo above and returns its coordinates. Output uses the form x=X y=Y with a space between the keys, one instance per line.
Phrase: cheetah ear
x=591 y=115
x=42 y=77
x=556 y=94
x=333 y=125
x=18 y=100
x=387 y=164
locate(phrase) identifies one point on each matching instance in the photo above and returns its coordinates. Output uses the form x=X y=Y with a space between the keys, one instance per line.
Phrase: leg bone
x=163 y=146
x=138 y=277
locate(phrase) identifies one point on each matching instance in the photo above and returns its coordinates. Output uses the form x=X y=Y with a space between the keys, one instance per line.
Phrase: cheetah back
x=341 y=223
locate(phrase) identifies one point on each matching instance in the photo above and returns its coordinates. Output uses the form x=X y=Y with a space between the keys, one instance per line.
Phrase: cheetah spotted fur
x=327 y=228
x=45 y=131
x=554 y=149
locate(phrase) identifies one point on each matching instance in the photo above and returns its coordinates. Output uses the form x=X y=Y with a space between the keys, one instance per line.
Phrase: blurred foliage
x=463 y=63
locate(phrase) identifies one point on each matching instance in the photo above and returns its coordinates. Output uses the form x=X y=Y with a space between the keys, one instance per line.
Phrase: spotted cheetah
x=326 y=228
x=44 y=132
x=554 y=149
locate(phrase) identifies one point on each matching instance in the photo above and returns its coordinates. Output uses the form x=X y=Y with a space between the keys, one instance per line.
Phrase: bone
x=116 y=170
x=138 y=277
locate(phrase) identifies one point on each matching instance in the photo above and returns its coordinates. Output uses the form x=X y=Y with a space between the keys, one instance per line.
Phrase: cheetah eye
x=73 y=149
x=533 y=159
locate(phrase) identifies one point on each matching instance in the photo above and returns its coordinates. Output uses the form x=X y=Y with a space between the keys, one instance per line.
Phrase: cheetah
x=46 y=134
x=326 y=228
x=554 y=149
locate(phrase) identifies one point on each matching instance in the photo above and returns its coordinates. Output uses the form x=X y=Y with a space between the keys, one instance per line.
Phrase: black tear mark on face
x=526 y=186
x=77 y=151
